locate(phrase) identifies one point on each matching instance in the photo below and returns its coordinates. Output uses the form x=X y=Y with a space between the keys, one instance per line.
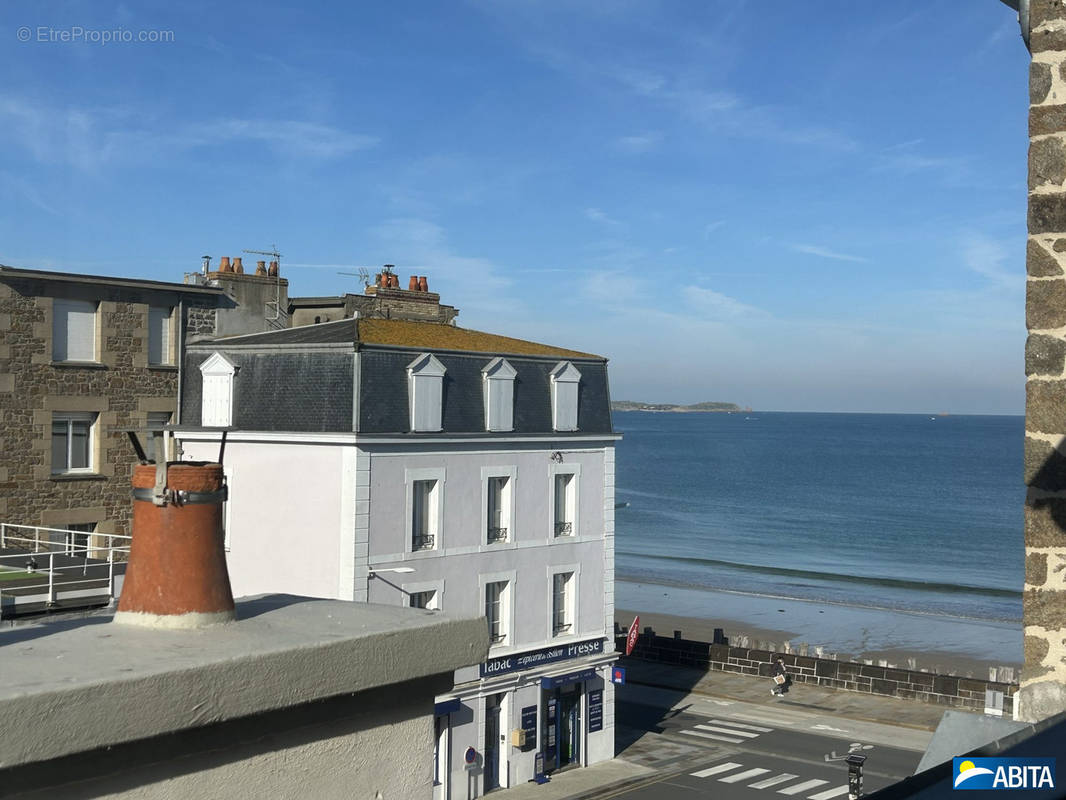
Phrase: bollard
x=177 y=576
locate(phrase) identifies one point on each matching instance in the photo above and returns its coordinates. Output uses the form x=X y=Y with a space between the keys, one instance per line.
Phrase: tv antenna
x=274 y=253
x=363 y=274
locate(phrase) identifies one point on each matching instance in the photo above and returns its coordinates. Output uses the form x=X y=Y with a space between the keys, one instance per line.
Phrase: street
x=711 y=747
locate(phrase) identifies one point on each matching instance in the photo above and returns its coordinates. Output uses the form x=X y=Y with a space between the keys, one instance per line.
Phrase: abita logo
x=1004 y=773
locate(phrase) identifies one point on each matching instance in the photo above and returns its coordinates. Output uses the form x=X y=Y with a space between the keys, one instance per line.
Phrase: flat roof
x=103 y=280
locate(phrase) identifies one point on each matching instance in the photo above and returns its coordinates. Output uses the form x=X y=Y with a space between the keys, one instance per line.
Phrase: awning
x=446 y=707
x=571 y=677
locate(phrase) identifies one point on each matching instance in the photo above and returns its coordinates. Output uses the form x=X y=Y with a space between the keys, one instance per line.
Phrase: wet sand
x=702 y=629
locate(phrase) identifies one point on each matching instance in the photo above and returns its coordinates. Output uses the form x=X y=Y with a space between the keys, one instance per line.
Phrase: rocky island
x=629 y=405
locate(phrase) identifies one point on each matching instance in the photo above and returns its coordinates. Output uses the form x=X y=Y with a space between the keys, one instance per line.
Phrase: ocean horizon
x=884 y=531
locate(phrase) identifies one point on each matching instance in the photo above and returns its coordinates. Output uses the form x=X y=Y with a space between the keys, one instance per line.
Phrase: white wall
x=284 y=515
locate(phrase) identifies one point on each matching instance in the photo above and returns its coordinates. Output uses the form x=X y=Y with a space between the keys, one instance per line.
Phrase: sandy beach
x=702 y=629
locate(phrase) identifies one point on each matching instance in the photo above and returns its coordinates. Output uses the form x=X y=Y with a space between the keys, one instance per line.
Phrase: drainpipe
x=180 y=356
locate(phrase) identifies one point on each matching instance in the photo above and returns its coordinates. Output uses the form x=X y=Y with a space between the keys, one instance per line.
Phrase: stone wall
x=121 y=388
x=1043 y=684
x=908 y=684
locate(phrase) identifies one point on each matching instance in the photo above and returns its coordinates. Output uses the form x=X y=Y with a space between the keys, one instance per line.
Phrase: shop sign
x=595 y=710
x=515 y=662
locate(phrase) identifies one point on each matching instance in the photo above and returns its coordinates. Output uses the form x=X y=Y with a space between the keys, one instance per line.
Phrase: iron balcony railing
x=497 y=535
x=425 y=542
x=564 y=528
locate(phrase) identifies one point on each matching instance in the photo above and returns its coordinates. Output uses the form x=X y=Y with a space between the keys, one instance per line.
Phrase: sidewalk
x=620 y=773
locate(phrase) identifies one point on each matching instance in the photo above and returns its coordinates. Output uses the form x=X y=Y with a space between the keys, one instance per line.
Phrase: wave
x=863 y=580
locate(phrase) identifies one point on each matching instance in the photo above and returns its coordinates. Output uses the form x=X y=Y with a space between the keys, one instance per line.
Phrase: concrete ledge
x=74 y=686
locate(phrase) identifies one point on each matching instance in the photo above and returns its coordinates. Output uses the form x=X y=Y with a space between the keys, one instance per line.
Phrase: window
x=425 y=386
x=424 y=515
x=565 y=380
x=496 y=611
x=72 y=442
x=562 y=603
x=498 y=379
x=159 y=328
x=76 y=539
x=564 y=505
x=73 y=330
x=216 y=403
x=499 y=512
x=426 y=599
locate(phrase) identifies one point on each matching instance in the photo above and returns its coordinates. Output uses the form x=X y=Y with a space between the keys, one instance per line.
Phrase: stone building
x=82 y=357
x=423 y=464
x=384 y=299
x=1043 y=683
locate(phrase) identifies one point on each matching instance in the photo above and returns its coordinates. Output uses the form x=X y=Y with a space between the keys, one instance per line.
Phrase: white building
x=422 y=464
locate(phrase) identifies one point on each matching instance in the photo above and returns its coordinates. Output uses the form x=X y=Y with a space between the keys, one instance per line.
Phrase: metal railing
x=497 y=535
x=423 y=542
x=50 y=560
x=564 y=528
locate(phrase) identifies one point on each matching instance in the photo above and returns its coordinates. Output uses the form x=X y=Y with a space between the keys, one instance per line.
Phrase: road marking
x=751 y=773
x=828 y=728
x=766 y=784
x=830 y=793
x=731 y=731
x=703 y=773
x=729 y=739
x=739 y=725
x=802 y=787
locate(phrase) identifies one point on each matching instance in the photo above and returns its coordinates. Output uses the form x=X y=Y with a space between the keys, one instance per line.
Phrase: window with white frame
x=565 y=380
x=425 y=388
x=565 y=504
x=426 y=599
x=77 y=538
x=498 y=379
x=72 y=442
x=499 y=508
x=73 y=330
x=562 y=603
x=497 y=610
x=160 y=321
x=425 y=496
x=216 y=402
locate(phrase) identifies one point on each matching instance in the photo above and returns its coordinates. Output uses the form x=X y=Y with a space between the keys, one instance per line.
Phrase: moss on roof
x=433 y=335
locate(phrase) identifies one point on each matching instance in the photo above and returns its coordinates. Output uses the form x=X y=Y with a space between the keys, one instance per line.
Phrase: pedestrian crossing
x=724 y=730
x=782 y=783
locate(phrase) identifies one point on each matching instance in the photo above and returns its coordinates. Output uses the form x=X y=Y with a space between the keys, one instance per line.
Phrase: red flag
x=631 y=638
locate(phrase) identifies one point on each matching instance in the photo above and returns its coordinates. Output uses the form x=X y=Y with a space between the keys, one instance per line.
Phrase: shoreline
x=702 y=629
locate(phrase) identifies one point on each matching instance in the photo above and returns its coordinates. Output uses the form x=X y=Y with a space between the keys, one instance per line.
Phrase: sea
x=861 y=533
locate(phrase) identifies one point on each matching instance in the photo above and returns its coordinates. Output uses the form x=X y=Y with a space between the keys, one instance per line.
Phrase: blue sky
x=792 y=206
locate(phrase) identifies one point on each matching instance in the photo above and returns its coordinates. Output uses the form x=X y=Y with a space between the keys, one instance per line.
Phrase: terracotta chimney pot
x=395 y=281
x=273 y=271
x=260 y=268
x=223 y=264
x=412 y=285
x=237 y=265
x=423 y=284
x=177 y=576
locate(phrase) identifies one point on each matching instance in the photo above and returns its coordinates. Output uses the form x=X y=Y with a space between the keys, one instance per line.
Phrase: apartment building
x=421 y=464
x=83 y=357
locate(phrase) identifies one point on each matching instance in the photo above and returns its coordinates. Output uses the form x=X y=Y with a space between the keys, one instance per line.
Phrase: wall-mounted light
x=374 y=572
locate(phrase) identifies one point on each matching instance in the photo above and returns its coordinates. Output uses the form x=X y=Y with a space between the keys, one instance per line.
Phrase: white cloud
x=825 y=252
x=635 y=145
x=714 y=305
x=598 y=215
x=988 y=257
x=711 y=227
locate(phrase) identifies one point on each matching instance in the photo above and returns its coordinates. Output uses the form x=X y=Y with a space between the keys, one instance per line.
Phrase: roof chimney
x=223 y=264
x=423 y=284
x=273 y=271
x=237 y=265
x=176 y=576
x=207 y=263
x=260 y=268
x=412 y=285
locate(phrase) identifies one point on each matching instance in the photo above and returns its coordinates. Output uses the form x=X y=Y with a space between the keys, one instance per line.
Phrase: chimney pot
x=423 y=284
x=394 y=281
x=223 y=264
x=260 y=268
x=237 y=265
x=273 y=271
x=412 y=285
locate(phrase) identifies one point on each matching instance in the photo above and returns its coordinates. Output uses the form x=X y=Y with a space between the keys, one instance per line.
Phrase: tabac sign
x=514 y=662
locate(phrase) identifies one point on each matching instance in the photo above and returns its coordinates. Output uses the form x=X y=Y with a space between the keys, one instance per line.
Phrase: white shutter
x=159 y=335
x=73 y=330
x=216 y=401
x=565 y=406
x=500 y=404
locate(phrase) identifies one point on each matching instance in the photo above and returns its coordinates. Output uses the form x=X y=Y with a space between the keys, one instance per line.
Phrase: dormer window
x=425 y=382
x=564 y=382
x=498 y=379
x=216 y=404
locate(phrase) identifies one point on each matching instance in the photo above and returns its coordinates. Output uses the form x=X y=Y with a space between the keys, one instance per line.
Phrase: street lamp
x=373 y=573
